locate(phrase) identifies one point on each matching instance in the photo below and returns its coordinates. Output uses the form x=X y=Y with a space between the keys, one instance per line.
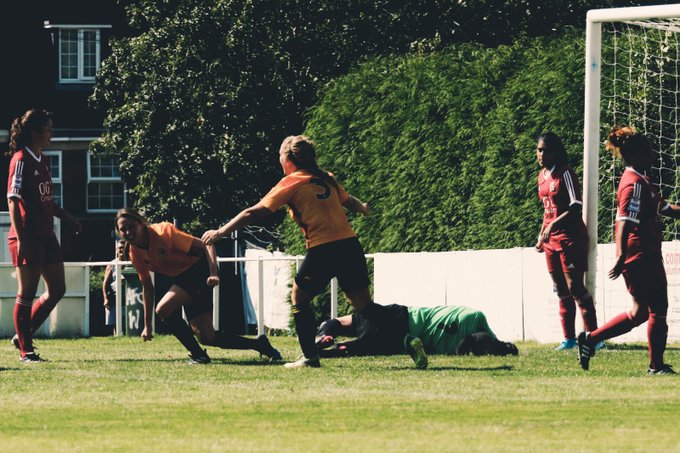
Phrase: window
x=54 y=163
x=105 y=188
x=79 y=54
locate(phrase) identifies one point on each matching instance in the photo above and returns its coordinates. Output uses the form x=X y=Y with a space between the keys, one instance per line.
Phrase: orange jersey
x=314 y=204
x=167 y=252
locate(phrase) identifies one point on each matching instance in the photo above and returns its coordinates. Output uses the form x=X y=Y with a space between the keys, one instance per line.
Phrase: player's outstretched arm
x=148 y=300
x=621 y=248
x=23 y=246
x=573 y=211
x=214 y=278
x=671 y=210
x=355 y=205
x=198 y=248
x=108 y=274
x=539 y=242
x=64 y=215
x=246 y=217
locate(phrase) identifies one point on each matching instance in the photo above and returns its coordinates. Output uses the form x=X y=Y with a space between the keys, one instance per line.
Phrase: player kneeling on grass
x=638 y=252
x=452 y=330
x=317 y=202
x=192 y=265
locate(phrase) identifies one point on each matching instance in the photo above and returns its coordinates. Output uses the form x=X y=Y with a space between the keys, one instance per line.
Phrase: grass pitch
x=119 y=394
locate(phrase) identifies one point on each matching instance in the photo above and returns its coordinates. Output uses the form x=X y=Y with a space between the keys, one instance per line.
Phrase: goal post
x=641 y=69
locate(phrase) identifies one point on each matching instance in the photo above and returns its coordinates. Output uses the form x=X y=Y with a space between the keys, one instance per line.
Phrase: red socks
x=41 y=310
x=22 y=323
x=587 y=307
x=657 y=333
x=568 y=316
x=616 y=326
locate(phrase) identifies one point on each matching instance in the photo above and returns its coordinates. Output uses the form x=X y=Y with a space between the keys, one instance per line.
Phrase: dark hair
x=627 y=142
x=301 y=151
x=556 y=146
x=130 y=214
x=22 y=128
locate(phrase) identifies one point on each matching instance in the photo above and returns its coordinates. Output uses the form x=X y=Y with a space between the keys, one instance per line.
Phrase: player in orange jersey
x=638 y=251
x=317 y=202
x=33 y=245
x=192 y=265
x=563 y=236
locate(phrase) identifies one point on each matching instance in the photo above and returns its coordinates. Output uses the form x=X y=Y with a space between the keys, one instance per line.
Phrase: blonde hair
x=301 y=151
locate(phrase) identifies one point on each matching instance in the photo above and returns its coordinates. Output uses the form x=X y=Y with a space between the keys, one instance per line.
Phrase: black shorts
x=389 y=337
x=193 y=281
x=343 y=259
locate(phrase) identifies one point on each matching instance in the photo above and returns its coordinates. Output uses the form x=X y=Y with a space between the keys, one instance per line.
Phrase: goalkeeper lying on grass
x=449 y=330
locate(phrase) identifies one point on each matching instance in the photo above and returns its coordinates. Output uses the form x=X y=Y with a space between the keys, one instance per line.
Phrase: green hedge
x=442 y=146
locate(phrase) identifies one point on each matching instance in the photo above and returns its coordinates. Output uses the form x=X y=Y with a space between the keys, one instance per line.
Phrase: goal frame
x=592 y=114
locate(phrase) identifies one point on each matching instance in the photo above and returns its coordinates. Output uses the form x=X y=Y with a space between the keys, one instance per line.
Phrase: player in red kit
x=638 y=251
x=33 y=245
x=563 y=236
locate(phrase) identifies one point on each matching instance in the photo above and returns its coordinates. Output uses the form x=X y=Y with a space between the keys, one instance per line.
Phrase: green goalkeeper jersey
x=442 y=328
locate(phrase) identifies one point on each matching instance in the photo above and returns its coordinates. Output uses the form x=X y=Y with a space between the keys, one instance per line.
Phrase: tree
x=443 y=145
x=199 y=98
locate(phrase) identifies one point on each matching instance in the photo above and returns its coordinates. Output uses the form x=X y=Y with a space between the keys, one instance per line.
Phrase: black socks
x=181 y=330
x=306 y=330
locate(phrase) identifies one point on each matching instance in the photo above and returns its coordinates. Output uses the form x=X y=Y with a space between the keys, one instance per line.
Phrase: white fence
x=70 y=318
x=512 y=287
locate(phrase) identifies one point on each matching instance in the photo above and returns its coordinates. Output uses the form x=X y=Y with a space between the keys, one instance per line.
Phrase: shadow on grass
x=462 y=368
x=249 y=362
x=220 y=361
x=633 y=347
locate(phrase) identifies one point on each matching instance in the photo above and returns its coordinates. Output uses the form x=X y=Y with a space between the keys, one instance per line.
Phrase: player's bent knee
x=205 y=338
x=56 y=293
x=639 y=317
x=163 y=312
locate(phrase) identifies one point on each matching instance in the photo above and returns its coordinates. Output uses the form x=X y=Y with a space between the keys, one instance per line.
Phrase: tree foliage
x=443 y=145
x=200 y=95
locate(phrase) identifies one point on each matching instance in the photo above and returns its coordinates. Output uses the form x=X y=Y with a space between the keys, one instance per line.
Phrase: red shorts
x=572 y=258
x=646 y=282
x=43 y=250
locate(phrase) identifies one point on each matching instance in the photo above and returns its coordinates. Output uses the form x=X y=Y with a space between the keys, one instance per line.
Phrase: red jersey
x=314 y=204
x=558 y=189
x=640 y=203
x=30 y=183
x=167 y=252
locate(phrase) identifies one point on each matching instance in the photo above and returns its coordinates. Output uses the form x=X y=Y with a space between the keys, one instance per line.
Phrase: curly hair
x=625 y=141
x=24 y=126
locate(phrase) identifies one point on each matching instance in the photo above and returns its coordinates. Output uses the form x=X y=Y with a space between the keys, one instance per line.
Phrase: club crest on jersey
x=163 y=252
x=552 y=186
x=634 y=205
x=36 y=173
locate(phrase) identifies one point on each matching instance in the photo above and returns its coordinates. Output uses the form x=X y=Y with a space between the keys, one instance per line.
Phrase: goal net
x=641 y=87
x=632 y=77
